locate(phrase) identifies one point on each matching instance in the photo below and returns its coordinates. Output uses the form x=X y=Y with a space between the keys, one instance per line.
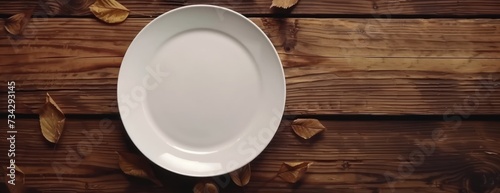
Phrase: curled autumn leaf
x=15 y=24
x=52 y=120
x=205 y=187
x=285 y=4
x=307 y=128
x=292 y=172
x=109 y=11
x=241 y=176
x=135 y=165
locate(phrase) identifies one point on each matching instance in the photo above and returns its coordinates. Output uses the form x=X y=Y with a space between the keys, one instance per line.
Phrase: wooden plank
x=370 y=8
x=351 y=156
x=332 y=66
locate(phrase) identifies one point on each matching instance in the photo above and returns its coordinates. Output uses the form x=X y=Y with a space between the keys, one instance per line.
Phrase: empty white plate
x=201 y=90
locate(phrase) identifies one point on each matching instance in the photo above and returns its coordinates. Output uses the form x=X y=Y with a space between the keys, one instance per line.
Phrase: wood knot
x=287 y=47
x=282 y=31
x=288 y=33
x=480 y=181
x=346 y=165
x=374 y=5
x=55 y=7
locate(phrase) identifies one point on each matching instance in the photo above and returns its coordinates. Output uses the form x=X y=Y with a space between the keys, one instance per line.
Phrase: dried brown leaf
x=20 y=176
x=19 y=180
x=205 y=187
x=307 y=128
x=135 y=165
x=52 y=120
x=285 y=4
x=109 y=11
x=241 y=176
x=15 y=24
x=292 y=172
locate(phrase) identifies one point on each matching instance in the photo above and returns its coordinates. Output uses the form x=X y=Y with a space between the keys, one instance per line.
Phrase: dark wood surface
x=332 y=66
x=379 y=8
x=383 y=76
x=353 y=155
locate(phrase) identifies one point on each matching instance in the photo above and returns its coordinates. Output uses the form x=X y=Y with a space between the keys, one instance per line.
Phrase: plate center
x=208 y=99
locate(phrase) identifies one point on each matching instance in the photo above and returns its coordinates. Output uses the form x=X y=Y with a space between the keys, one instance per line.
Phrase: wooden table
x=407 y=89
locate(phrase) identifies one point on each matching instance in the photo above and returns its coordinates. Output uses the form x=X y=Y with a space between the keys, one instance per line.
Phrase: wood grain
x=369 y=8
x=378 y=65
x=351 y=156
x=332 y=66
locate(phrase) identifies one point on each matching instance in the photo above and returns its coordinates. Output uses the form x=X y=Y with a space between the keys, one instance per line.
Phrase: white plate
x=201 y=90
